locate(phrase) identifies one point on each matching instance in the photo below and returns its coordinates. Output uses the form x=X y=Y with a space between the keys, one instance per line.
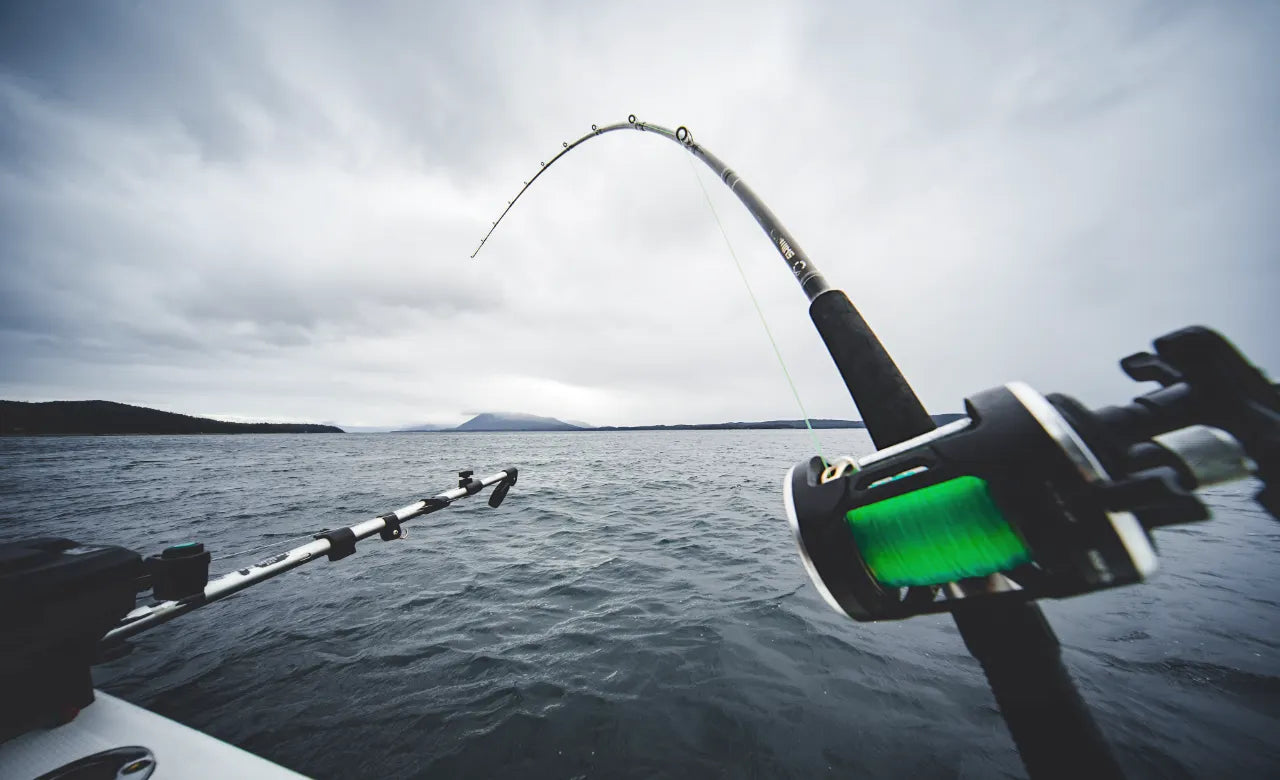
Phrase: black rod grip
x=1049 y=722
x=888 y=405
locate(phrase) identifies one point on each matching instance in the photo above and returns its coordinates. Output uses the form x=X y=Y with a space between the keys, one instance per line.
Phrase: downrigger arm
x=68 y=605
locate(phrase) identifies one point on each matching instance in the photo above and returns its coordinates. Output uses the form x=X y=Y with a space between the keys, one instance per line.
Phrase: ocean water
x=636 y=608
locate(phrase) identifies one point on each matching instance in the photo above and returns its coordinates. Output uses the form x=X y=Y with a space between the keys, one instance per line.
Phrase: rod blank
x=810 y=279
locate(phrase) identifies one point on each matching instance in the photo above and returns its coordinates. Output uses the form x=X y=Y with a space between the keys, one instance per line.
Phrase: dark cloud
x=266 y=209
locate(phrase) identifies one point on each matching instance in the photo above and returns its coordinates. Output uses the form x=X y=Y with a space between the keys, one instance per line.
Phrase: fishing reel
x=1029 y=496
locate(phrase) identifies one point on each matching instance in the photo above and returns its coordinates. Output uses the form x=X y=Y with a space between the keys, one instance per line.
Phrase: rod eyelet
x=631 y=119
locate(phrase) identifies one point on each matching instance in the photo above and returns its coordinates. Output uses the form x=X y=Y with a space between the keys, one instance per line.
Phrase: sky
x=265 y=210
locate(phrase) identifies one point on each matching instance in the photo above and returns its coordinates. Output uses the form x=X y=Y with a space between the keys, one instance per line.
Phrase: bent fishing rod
x=72 y=605
x=1025 y=497
x=888 y=405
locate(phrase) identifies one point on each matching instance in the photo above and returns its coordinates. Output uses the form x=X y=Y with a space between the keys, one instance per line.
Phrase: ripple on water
x=653 y=621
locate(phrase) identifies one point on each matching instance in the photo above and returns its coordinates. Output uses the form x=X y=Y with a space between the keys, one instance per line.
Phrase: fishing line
x=231 y=556
x=830 y=312
x=267 y=546
x=759 y=311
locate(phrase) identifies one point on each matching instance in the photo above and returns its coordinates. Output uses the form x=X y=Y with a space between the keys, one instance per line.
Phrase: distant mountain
x=18 y=418
x=940 y=419
x=424 y=427
x=490 y=421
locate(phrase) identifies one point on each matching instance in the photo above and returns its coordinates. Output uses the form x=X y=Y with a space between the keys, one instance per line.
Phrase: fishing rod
x=179 y=575
x=887 y=404
x=69 y=605
x=1011 y=503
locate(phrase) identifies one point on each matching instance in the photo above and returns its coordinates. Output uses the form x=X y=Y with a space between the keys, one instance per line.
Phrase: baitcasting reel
x=1031 y=496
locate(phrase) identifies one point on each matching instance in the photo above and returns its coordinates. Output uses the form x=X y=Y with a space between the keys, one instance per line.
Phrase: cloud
x=252 y=210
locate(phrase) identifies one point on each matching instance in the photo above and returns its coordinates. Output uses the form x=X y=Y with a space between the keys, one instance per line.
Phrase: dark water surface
x=636 y=608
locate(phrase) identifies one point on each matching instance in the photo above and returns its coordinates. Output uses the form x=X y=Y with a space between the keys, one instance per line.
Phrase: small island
x=95 y=418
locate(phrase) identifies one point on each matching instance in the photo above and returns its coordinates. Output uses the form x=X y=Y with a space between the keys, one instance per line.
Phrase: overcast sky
x=265 y=210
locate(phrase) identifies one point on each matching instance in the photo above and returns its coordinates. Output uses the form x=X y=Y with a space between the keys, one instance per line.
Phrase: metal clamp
x=342 y=542
x=391 y=530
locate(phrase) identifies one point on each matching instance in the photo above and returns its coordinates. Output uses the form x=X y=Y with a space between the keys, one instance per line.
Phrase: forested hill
x=18 y=418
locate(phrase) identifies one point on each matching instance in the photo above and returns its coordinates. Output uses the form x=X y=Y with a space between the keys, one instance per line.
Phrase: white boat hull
x=110 y=723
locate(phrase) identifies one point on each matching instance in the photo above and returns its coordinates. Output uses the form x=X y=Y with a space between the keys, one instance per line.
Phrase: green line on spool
x=936 y=534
